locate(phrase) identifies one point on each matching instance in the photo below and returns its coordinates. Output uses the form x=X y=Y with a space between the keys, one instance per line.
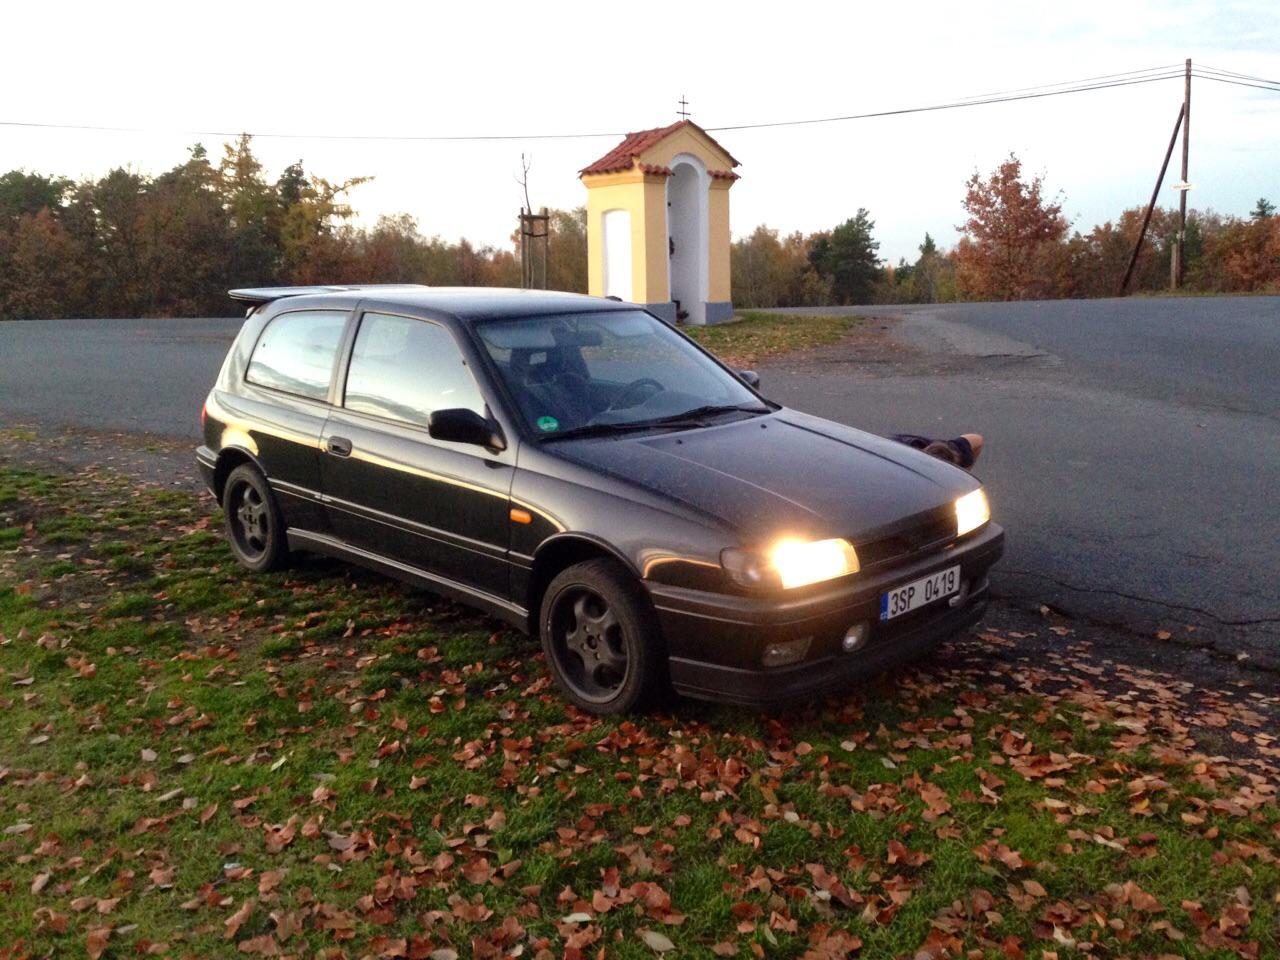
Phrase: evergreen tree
x=849 y=258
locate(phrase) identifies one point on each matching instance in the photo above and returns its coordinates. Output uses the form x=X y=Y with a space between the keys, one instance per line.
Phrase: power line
x=1102 y=82
x=301 y=136
x=951 y=105
x=1232 y=73
x=1128 y=74
x=1238 y=83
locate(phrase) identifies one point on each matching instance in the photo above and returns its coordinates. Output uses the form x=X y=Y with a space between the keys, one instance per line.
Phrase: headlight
x=799 y=563
x=792 y=563
x=972 y=511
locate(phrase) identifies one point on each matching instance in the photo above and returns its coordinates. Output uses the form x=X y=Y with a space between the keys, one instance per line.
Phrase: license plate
x=911 y=596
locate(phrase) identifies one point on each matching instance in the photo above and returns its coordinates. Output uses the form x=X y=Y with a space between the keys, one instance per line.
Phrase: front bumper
x=716 y=642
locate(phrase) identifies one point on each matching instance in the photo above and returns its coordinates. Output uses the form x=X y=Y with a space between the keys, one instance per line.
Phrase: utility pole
x=1185 y=184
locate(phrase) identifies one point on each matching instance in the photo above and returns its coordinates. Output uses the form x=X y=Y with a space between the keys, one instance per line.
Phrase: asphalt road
x=1134 y=450
x=144 y=376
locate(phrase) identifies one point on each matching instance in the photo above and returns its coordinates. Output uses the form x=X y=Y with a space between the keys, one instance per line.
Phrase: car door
x=284 y=402
x=393 y=490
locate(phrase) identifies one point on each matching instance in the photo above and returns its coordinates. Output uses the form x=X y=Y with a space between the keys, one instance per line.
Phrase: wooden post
x=546 y=242
x=534 y=230
x=1155 y=195
x=524 y=249
x=1182 y=199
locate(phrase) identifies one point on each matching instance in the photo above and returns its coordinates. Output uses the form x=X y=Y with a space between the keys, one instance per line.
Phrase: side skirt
x=517 y=616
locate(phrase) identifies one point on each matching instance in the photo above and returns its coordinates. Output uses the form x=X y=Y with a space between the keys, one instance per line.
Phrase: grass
x=758 y=337
x=199 y=762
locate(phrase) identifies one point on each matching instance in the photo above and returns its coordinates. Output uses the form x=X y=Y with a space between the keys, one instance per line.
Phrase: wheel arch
x=559 y=553
x=228 y=459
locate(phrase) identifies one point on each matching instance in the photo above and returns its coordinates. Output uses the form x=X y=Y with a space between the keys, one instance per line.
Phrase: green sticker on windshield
x=548 y=424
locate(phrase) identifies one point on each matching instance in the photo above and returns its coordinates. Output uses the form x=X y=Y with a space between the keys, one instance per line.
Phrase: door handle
x=338 y=446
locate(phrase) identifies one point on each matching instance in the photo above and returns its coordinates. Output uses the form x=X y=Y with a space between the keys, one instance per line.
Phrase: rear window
x=295 y=352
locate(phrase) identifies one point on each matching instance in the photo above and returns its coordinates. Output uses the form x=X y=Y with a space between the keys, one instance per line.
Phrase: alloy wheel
x=588 y=644
x=250 y=521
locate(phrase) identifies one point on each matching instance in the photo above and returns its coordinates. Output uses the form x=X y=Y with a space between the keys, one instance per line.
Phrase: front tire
x=601 y=638
x=254 y=524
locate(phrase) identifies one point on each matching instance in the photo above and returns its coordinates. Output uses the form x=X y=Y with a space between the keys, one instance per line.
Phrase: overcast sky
x=568 y=67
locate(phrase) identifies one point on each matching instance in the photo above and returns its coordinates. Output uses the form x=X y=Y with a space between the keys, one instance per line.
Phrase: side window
x=295 y=352
x=404 y=369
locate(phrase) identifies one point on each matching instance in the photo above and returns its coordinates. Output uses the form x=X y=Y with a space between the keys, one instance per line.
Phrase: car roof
x=463 y=303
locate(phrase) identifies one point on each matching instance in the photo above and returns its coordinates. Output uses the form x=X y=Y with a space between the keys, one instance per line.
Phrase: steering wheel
x=633 y=387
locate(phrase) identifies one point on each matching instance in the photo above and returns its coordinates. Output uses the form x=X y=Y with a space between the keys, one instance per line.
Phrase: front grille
x=905 y=544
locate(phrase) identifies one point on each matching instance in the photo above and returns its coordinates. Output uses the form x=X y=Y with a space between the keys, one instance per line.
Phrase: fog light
x=855 y=637
x=786 y=651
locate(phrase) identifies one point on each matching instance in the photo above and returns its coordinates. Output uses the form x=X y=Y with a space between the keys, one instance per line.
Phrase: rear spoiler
x=257 y=296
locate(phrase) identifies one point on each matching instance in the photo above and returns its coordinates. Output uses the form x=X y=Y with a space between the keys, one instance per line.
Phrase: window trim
x=349 y=356
x=339 y=347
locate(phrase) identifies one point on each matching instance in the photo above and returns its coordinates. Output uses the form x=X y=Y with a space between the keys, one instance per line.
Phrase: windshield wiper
x=695 y=415
x=602 y=430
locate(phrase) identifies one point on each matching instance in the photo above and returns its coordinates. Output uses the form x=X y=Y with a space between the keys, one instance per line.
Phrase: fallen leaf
x=269 y=880
x=264 y=945
x=234 y=922
x=96 y=941
x=656 y=941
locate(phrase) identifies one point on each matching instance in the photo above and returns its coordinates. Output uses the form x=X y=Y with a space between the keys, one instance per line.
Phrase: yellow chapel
x=658 y=223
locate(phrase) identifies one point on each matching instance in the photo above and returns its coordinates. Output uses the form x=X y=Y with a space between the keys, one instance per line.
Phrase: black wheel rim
x=250 y=520
x=587 y=643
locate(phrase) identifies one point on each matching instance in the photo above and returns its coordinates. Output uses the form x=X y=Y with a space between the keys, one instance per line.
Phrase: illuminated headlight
x=791 y=563
x=800 y=563
x=972 y=511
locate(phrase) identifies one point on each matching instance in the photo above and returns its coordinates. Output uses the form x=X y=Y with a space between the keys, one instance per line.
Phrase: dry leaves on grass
x=330 y=763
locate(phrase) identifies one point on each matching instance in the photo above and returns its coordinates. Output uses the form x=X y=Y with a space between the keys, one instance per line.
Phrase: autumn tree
x=29 y=193
x=567 y=250
x=40 y=269
x=253 y=212
x=771 y=270
x=313 y=248
x=1240 y=256
x=1007 y=234
x=193 y=251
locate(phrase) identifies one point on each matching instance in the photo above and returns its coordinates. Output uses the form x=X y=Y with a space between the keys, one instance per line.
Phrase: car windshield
x=608 y=371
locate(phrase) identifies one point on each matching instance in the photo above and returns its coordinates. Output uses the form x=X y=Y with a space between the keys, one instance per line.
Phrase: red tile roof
x=625 y=155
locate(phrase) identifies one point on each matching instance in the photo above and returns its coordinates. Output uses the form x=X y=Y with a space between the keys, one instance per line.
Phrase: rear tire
x=601 y=639
x=254 y=524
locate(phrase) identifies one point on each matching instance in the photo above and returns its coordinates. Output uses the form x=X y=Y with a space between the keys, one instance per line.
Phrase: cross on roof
x=684 y=107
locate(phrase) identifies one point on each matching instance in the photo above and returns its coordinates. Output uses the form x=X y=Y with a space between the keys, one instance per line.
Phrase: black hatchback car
x=584 y=471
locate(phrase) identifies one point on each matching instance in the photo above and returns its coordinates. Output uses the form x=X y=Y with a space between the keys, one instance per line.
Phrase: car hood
x=786 y=473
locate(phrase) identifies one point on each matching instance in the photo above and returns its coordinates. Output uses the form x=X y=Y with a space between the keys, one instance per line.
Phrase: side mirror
x=460 y=425
x=750 y=378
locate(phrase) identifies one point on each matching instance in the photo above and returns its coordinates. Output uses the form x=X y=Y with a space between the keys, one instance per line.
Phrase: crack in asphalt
x=1151 y=600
